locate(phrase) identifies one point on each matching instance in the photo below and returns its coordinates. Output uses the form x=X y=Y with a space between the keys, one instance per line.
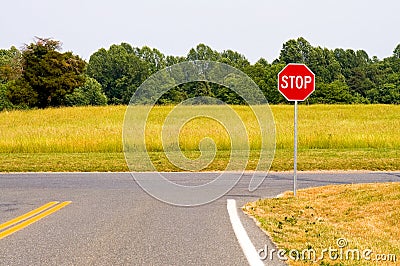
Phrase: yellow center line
x=33 y=219
x=27 y=215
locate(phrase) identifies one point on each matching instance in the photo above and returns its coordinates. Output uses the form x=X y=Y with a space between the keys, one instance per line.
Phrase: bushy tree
x=342 y=76
x=21 y=94
x=203 y=52
x=48 y=75
x=154 y=59
x=90 y=93
x=119 y=71
x=10 y=64
x=335 y=92
x=5 y=103
x=295 y=51
x=264 y=75
x=234 y=59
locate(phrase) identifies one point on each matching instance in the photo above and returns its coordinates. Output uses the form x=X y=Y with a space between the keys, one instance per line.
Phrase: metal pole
x=295 y=150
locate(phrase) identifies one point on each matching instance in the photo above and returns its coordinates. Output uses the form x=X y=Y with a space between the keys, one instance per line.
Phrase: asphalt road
x=112 y=221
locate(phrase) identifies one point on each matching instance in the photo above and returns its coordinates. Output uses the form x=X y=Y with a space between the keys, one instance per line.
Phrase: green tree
x=10 y=64
x=324 y=65
x=295 y=51
x=394 y=61
x=90 y=93
x=335 y=92
x=5 y=103
x=48 y=75
x=203 y=52
x=359 y=83
x=154 y=59
x=389 y=94
x=234 y=59
x=396 y=52
x=119 y=71
x=21 y=94
x=342 y=76
x=172 y=60
x=265 y=76
x=10 y=71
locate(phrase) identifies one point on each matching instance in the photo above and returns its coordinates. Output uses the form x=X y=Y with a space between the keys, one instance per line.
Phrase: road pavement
x=112 y=221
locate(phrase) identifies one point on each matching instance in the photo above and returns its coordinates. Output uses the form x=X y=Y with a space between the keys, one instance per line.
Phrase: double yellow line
x=31 y=217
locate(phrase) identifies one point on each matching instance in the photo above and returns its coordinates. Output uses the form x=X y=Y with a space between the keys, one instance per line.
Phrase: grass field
x=90 y=138
x=365 y=215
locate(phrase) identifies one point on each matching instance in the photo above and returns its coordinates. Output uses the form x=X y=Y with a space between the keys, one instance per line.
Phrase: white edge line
x=245 y=243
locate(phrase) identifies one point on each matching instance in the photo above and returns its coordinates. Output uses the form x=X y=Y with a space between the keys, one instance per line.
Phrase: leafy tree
x=154 y=59
x=174 y=96
x=393 y=62
x=359 y=83
x=295 y=51
x=324 y=65
x=5 y=103
x=90 y=93
x=203 y=52
x=234 y=59
x=119 y=71
x=42 y=76
x=390 y=94
x=362 y=58
x=47 y=76
x=172 y=60
x=21 y=94
x=264 y=75
x=342 y=76
x=396 y=52
x=335 y=92
x=10 y=64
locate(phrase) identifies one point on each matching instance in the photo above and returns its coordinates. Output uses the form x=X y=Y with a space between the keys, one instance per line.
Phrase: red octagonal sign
x=296 y=82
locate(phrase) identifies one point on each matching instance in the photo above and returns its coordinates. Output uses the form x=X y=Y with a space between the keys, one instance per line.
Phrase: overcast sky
x=255 y=28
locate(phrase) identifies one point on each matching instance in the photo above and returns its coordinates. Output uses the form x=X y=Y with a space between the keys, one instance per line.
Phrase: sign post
x=296 y=82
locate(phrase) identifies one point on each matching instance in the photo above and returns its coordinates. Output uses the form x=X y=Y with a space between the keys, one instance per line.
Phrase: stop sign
x=296 y=82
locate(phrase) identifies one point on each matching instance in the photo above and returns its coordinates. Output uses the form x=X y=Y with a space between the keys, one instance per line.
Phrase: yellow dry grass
x=366 y=215
x=330 y=136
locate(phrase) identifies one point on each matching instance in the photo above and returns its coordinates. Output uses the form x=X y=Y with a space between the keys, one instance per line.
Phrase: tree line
x=39 y=75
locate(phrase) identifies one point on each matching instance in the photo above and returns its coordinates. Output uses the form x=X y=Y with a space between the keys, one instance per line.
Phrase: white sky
x=255 y=28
